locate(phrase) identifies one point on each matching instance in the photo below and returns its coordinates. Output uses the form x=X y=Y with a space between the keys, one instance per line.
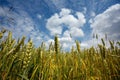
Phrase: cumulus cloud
x=19 y=23
x=55 y=23
x=108 y=23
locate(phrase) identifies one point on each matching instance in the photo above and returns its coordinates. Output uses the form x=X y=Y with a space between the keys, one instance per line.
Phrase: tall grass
x=20 y=61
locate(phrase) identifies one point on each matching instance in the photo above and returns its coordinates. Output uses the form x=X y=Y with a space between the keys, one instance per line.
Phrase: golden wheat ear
x=27 y=54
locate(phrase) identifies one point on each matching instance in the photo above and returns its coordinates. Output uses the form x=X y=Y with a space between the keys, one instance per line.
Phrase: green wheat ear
x=9 y=37
x=1 y=35
x=56 y=44
x=103 y=42
x=111 y=44
x=118 y=43
x=102 y=50
x=78 y=46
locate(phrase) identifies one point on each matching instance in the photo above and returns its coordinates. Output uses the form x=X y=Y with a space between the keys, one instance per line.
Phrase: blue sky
x=40 y=20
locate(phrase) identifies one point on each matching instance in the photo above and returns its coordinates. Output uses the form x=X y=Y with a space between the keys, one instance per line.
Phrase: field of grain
x=23 y=61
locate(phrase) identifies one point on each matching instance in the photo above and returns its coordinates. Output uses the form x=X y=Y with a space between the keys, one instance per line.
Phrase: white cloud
x=108 y=23
x=65 y=39
x=81 y=19
x=70 y=21
x=64 y=12
x=55 y=23
x=76 y=32
x=84 y=45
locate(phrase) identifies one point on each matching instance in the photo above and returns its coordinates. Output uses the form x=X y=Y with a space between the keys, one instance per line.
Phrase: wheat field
x=23 y=61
